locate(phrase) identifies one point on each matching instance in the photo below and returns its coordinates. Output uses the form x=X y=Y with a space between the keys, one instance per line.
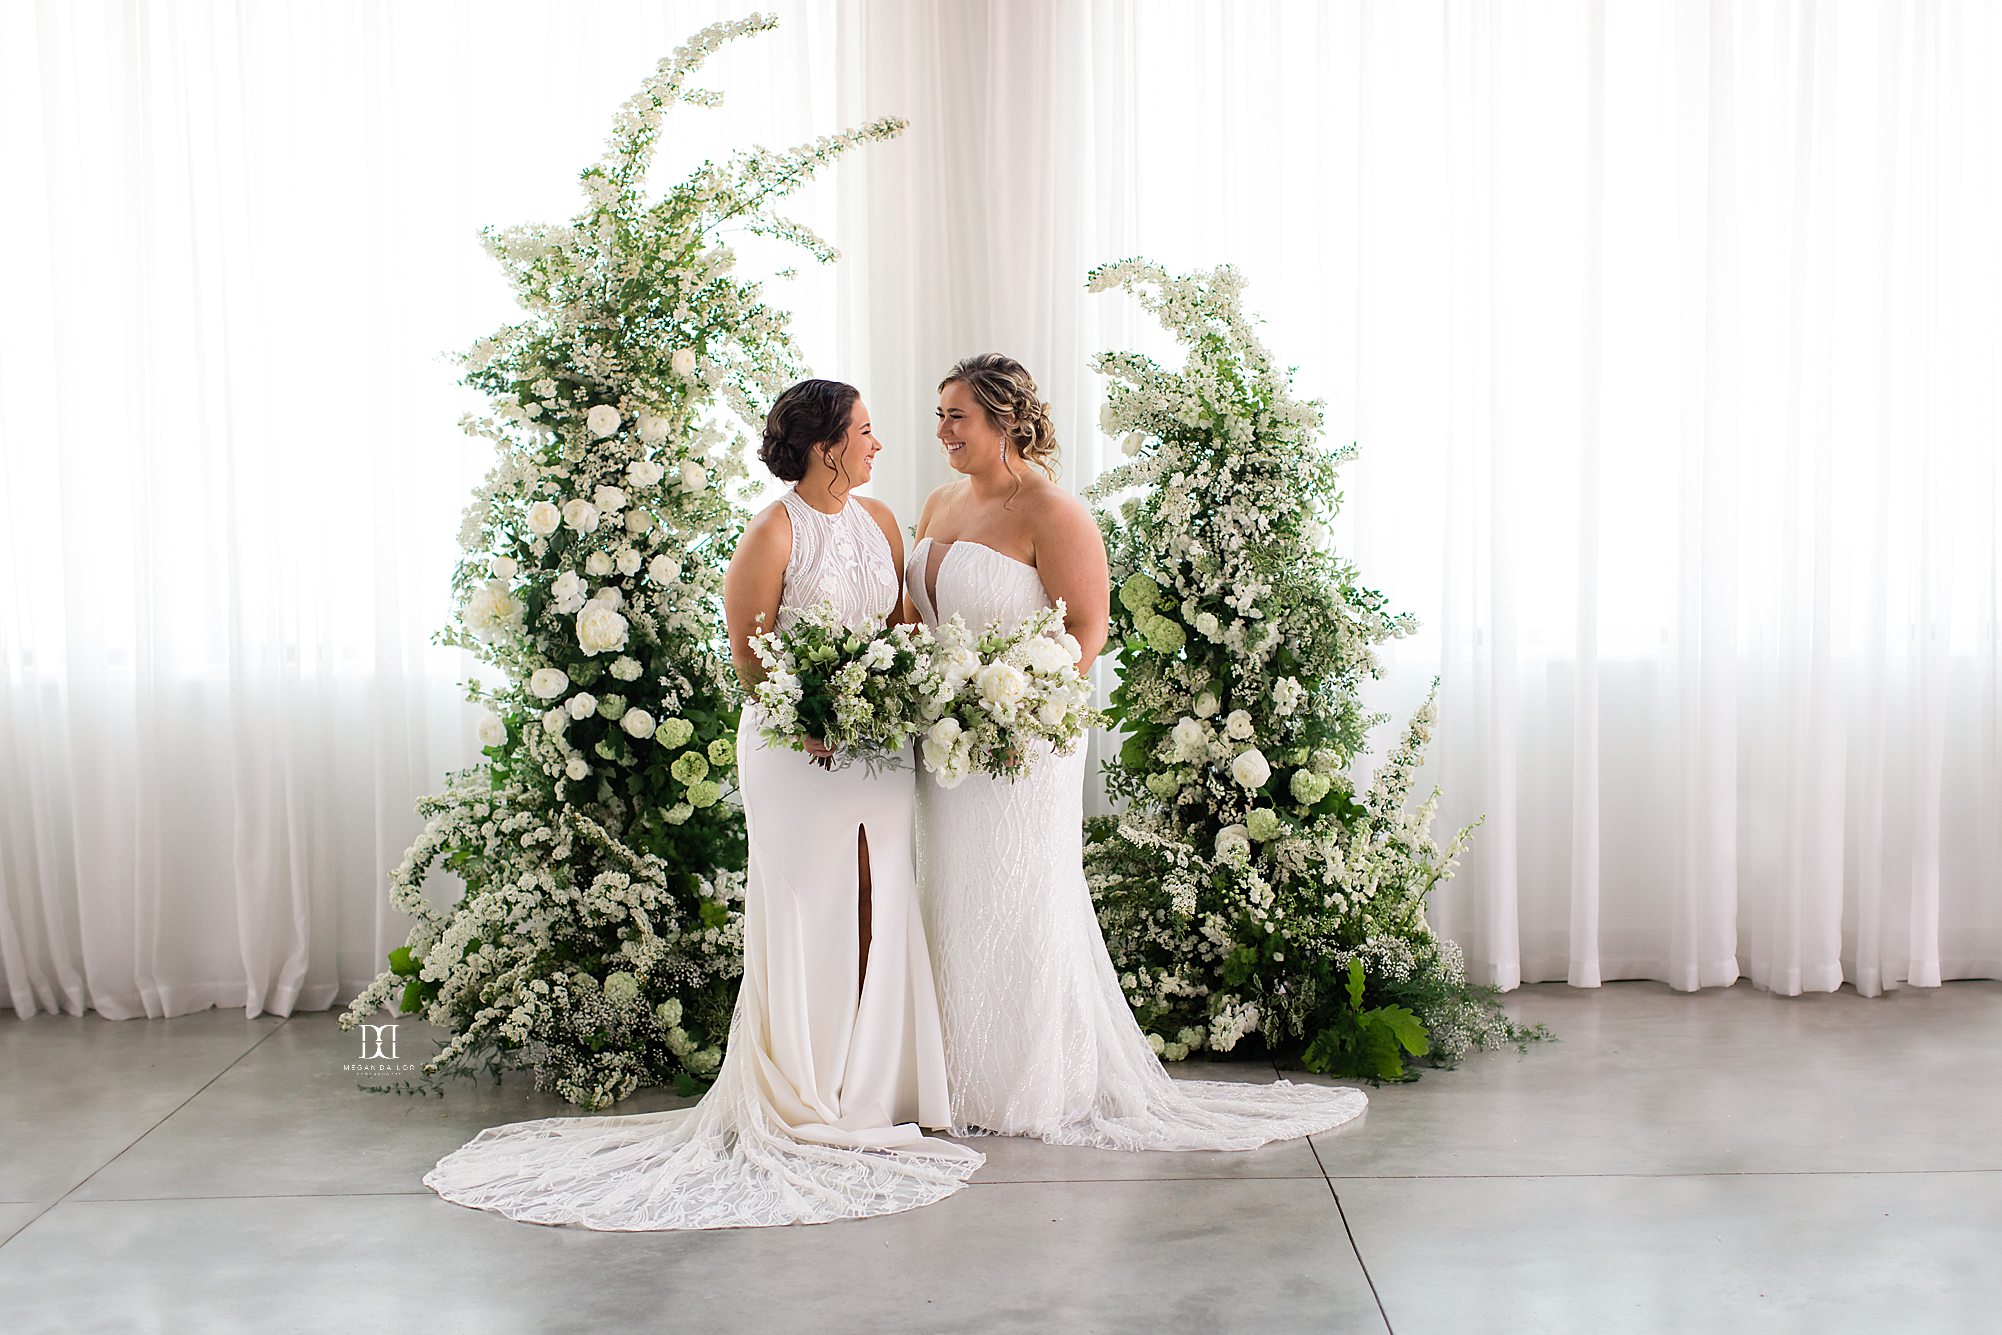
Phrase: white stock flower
x=694 y=477
x=644 y=472
x=1238 y=727
x=1251 y=768
x=582 y=705
x=1287 y=695
x=544 y=517
x=603 y=420
x=598 y=564
x=653 y=430
x=581 y=515
x=684 y=361
x=637 y=723
x=491 y=732
x=549 y=682
x=663 y=569
x=600 y=627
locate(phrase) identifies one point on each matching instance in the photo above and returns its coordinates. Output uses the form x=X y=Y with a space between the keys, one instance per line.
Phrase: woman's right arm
x=753 y=585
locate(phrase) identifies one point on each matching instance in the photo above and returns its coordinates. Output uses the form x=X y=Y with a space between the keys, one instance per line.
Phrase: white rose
x=1250 y=768
x=543 y=517
x=643 y=472
x=554 y=721
x=1051 y=713
x=1207 y=704
x=1189 y=739
x=1000 y=683
x=638 y=522
x=603 y=419
x=693 y=476
x=583 y=705
x=1232 y=841
x=609 y=594
x=568 y=591
x=549 y=682
x=598 y=564
x=577 y=769
x=608 y=498
x=637 y=723
x=663 y=569
x=600 y=628
x=684 y=361
x=492 y=732
x=1238 y=726
x=653 y=430
x=581 y=515
x=628 y=561
x=504 y=567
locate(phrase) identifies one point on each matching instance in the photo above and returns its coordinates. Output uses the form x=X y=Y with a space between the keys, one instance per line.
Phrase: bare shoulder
x=1055 y=511
x=769 y=532
x=942 y=498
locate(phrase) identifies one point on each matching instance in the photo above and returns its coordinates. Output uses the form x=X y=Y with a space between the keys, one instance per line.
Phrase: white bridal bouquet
x=864 y=693
x=997 y=693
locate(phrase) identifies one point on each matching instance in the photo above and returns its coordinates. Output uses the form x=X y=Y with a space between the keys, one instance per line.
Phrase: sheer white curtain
x=1667 y=332
x=240 y=237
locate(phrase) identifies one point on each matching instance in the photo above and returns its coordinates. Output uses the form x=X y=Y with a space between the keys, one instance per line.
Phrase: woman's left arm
x=1070 y=556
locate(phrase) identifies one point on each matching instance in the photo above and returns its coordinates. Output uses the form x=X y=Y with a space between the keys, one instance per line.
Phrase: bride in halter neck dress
x=1039 y=1040
x=834 y=1059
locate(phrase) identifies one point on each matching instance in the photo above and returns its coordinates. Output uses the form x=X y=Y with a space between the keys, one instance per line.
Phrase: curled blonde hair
x=1007 y=394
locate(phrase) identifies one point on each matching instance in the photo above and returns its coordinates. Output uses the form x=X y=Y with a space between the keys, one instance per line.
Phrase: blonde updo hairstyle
x=1005 y=391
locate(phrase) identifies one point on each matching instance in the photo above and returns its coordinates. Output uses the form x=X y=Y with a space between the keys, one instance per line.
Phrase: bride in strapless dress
x=1039 y=1040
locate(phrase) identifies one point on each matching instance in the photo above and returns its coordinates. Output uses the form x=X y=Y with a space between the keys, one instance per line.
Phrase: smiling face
x=853 y=457
x=972 y=442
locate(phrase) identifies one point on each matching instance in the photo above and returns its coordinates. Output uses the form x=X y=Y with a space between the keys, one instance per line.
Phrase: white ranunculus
x=609 y=594
x=608 y=498
x=638 y=522
x=568 y=591
x=1233 y=841
x=653 y=430
x=943 y=733
x=603 y=419
x=1046 y=655
x=505 y=567
x=554 y=721
x=577 y=769
x=1250 y=768
x=694 y=477
x=581 y=515
x=600 y=628
x=1000 y=683
x=549 y=682
x=1188 y=738
x=598 y=564
x=1207 y=704
x=492 y=732
x=663 y=569
x=684 y=361
x=628 y=561
x=582 y=705
x=544 y=517
x=644 y=472
x=1238 y=727
x=637 y=723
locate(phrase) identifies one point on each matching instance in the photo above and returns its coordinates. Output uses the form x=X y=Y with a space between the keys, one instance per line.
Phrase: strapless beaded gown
x=1039 y=1040
x=815 y=1114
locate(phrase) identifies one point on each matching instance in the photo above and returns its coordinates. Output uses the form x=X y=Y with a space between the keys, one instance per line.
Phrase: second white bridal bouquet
x=994 y=694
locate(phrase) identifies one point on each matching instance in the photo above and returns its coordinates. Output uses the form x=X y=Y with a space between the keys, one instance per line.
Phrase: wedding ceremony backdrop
x=1654 y=357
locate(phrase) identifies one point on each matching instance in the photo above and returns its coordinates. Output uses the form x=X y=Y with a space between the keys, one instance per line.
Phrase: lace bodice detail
x=976 y=581
x=843 y=558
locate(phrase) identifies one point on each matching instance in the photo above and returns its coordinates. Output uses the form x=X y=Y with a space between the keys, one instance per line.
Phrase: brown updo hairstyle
x=1008 y=395
x=811 y=413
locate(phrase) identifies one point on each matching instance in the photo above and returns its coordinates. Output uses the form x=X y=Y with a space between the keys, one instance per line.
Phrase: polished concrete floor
x=1723 y=1161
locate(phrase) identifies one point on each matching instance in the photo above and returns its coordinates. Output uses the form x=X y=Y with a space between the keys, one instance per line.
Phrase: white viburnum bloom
x=581 y=515
x=683 y=361
x=1287 y=695
x=694 y=477
x=549 y=682
x=637 y=723
x=491 y=732
x=608 y=498
x=626 y=669
x=600 y=628
x=663 y=569
x=653 y=430
x=568 y=591
x=1251 y=768
x=1238 y=726
x=598 y=564
x=544 y=517
x=627 y=560
x=504 y=567
x=644 y=472
x=582 y=705
x=577 y=769
x=603 y=420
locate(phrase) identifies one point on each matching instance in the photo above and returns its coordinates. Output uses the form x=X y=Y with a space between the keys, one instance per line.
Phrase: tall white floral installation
x=1248 y=889
x=599 y=938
